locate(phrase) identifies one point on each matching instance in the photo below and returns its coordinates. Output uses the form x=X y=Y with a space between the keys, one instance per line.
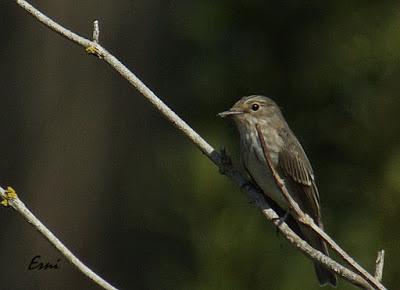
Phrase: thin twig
x=96 y=31
x=307 y=220
x=94 y=48
x=380 y=260
x=20 y=207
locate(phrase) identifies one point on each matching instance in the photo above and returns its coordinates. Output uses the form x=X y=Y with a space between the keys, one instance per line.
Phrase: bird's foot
x=226 y=161
x=253 y=194
x=280 y=220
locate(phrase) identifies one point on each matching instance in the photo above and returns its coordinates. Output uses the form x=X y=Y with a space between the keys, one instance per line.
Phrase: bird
x=259 y=117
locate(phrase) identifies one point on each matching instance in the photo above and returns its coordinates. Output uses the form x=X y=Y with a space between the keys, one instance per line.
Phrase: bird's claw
x=226 y=161
x=279 y=221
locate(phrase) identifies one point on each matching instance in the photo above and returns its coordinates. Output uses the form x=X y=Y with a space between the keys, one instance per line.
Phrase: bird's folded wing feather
x=298 y=173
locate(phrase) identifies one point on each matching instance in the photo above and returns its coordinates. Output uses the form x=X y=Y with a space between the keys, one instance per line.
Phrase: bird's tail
x=324 y=275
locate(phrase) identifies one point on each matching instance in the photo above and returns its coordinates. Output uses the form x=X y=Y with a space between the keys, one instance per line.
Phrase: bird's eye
x=255 y=107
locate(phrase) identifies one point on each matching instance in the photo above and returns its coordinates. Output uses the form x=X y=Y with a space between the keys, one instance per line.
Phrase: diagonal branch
x=13 y=201
x=307 y=220
x=93 y=47
x=302 y=245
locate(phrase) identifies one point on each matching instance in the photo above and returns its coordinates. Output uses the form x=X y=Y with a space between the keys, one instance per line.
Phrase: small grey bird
x=290 y=162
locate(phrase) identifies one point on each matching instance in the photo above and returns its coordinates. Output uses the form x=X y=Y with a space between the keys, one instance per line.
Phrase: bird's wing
x=297 y=171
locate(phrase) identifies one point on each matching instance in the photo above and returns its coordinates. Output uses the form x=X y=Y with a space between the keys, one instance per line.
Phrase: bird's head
x=252 y=109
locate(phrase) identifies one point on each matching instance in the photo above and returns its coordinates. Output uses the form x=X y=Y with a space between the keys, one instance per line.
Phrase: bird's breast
x=254 y=161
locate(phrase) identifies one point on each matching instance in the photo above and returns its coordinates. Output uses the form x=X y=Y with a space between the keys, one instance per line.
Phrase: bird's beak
x=230 y=113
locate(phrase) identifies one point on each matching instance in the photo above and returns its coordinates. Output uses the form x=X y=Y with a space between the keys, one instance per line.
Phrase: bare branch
x=380 y=260
x=304 y=247
x=307 y=220
x=13 y=201
x=96 y=31
x=93 y=47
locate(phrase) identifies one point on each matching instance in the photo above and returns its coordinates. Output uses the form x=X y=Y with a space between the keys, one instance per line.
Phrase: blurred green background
x=140 y=204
